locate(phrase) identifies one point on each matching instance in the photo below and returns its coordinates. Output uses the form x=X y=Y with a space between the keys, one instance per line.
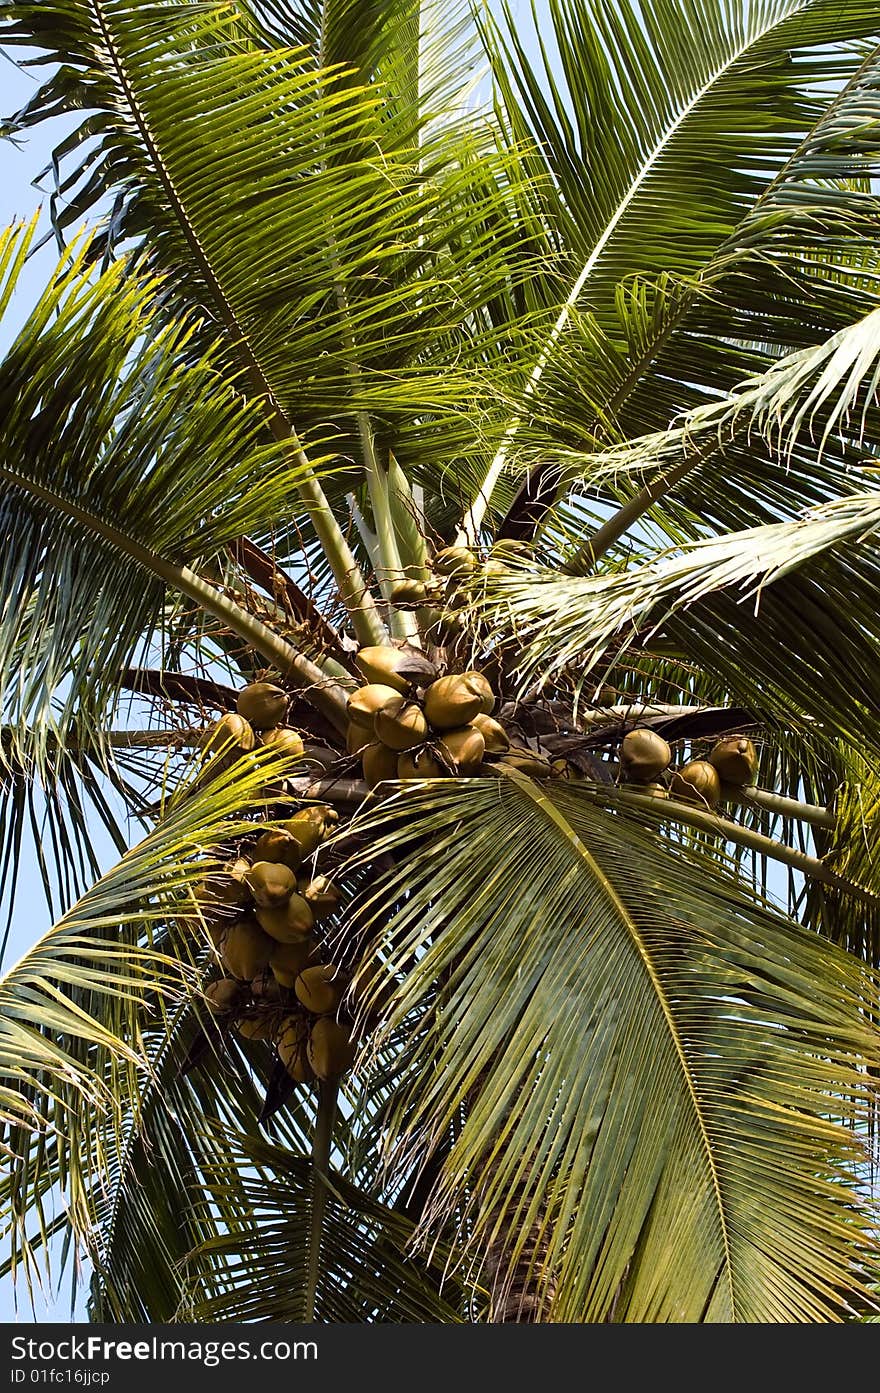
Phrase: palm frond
x=649 y=1028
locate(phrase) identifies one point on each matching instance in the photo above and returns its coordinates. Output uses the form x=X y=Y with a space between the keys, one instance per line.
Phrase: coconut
x=379 y=763
x=736 y=760
x=289 y=959
x=408 y=592
x=455 y=561
x=419 y=764
x=401 y=668
x=482 y=685
x=231 y=735
x=320 y=988
x=310 y=826
x=453 y=701
x=494 y=735
x=289 y=922
x=654 y=789
x=256 y=1026
x=697 y=782
x=400 y=724
x=357 y=738
x=292 y=1045
x=263 y=704
x=225 y=890
x=643 y=755
x=330 y=1049
x=278 y=847
x=464 y=748
x=246 y=950
x=223 y=996
x=285 y=740
x=266 y=988
x=363 y=704
x=272 y=883
x=526 y=761
x=321 y=895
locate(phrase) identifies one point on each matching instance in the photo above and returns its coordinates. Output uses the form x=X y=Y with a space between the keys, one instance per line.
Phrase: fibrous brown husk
x=320 y=988
x=400 y=724
x=464 y=748
x=246 y=950
x=330 y=1049
x=697 y=782
x=643 y=755
x=736 y=760
x=262 y=704
x=289 y=922
x=272 y=883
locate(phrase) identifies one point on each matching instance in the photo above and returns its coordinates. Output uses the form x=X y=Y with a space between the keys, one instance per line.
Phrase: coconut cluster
x=259 y=719
x=263 y=913
x=407 y=722
x=645 y=758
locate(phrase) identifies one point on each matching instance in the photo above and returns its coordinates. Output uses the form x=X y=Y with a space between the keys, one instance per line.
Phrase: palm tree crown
x=440 y=504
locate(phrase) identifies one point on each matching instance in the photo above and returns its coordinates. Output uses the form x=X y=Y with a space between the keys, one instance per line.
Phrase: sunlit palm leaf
x=668 y=1048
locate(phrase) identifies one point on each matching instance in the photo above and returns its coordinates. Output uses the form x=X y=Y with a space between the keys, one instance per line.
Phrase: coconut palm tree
x=440 y=507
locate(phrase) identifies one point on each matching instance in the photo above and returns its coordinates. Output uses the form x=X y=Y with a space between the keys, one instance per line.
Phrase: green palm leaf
x=669 y=1050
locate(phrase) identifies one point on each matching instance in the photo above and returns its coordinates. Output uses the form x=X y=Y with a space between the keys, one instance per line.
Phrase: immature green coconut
x=408 y=592
x=320 y=988
x=272 y=883
x=278 y=847
x=292 y=1045
x=330 y=1049
x=262 y=704
x=289 y=959
x=736 y=760
x=231 y=735
x=455 y=561
x=400 y=724
x=321 y=895
x=378 y=763
x=289 y=922
x=310 y=826
x=464 y=748
x=285 y=740
x=363 y=704
x=697 y=782
x=494 y=735
x=454 y=700
x=402 y=668
x=643 y=755
x=246 y=950
x=223 y=891
x=420 y=764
